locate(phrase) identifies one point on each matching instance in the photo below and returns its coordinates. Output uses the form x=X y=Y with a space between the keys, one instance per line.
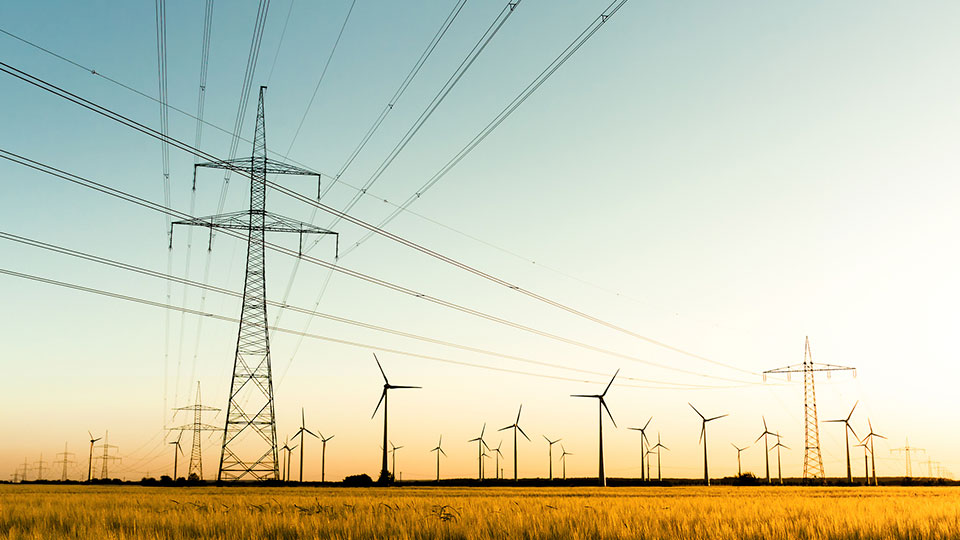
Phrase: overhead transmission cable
x=161 y=27
x=108 y=113
x=225 y=318
x=336 y=178
x=323 y=74
x=283 y=34
x=228 y=292
x=391 y=103
x=102 y=188
x=201 y=100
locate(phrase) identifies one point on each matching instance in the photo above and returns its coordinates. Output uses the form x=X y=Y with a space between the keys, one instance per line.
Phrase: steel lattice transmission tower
x=249 y=450
x=812 y=460
x=196 y=457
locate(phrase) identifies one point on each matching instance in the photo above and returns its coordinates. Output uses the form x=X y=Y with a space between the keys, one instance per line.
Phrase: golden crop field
x=122 y=512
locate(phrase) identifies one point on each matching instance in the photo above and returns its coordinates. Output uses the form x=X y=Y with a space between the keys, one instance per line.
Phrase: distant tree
x=358 y=480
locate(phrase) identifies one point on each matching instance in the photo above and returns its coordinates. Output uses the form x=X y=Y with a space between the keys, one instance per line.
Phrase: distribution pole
x=249 y=450
x=812 y=459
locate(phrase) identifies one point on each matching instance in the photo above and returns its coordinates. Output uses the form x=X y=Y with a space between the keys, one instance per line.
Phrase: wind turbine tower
x=196 y=455
x=812 y=459
x=658 y=447
x=703 y=439
x=550 y=453
x=766 y=446
x=249 y=450
x=778 y=446
x=384 y=471
x=644 y=443
x=90 y=462
x=848 y=429
x=177 y=449
x=393 y=455
x=739 y=450
x=515 y=427
x=480 y=444
x=873 y=455
x=601 y=405
x=323 y=456
x=302 y=433
x=66 y=460
x=439 y=450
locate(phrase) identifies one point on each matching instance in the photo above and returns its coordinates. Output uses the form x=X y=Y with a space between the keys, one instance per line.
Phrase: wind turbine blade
x=503 y=429
x=303 y=419
x=521 y=432
x=853 y=409
x=868 y=423
x=484 y=443
x=760 y=437
x=878 y=435
x=440 y=442
x=312 y=433
x=841 y=420
x=716 y=418
x=482 y=430
x=518 y=414
x=91 y=434
x=662 y=446
x=583 y=395
x=442 y=452
x=382 y=395
x=381 y=368
x=407 y=387
x=648 y=423
x=735 y=446
x=703 y=428
x=764 y=418
x=610 y=414
x=609 y=384
x=851 y=430
x=695 y=410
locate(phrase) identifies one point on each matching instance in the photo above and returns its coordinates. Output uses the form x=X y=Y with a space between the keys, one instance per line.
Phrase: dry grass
x=115 y=512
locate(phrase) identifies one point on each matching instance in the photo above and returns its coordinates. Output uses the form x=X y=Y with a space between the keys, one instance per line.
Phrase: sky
x=725 y=178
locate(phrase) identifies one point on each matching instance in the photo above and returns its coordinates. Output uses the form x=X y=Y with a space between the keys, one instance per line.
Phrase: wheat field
x=126 y=512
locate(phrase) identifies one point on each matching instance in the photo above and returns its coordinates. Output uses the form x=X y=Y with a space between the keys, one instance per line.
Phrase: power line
x=323 y=74
x=58 y=173
x=225 y=318
x=337 y=177
x=183 y=281
x=283 y=34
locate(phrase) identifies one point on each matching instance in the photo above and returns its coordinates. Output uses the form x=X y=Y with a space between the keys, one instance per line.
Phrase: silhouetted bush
x=358 y=480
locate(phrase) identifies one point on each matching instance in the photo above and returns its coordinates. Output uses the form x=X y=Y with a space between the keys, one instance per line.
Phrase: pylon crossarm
x=269 y=166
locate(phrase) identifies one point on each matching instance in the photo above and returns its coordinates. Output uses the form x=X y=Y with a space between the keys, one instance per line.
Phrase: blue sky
x=742 y=174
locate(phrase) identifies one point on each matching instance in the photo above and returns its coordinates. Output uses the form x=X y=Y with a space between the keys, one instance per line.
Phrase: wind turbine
x=778 y=446
x=323 y=457
x=439 y=450
x=563 y=460
x=866 y=462
x=384 y=472
x=739 y=471
x=302 y=433
x=480 y=444
x=90 y=463
x=766 y=446
x=873 y=461
x=393 y=451
x=703 y=439
x=600 y=407
x=657 y=447
x=515 y=427
x=643 y=439
x=499 y=454
x=846 y=437
x=176 y=448
x=550 y=453
x=286 y=461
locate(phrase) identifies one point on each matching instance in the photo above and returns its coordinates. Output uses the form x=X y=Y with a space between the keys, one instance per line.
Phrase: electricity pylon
x=65 y=461
x=249 y=449
x=40 y=467
x=906 y=449
x=196 y=457
x=106 y=458
x=812 y=459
